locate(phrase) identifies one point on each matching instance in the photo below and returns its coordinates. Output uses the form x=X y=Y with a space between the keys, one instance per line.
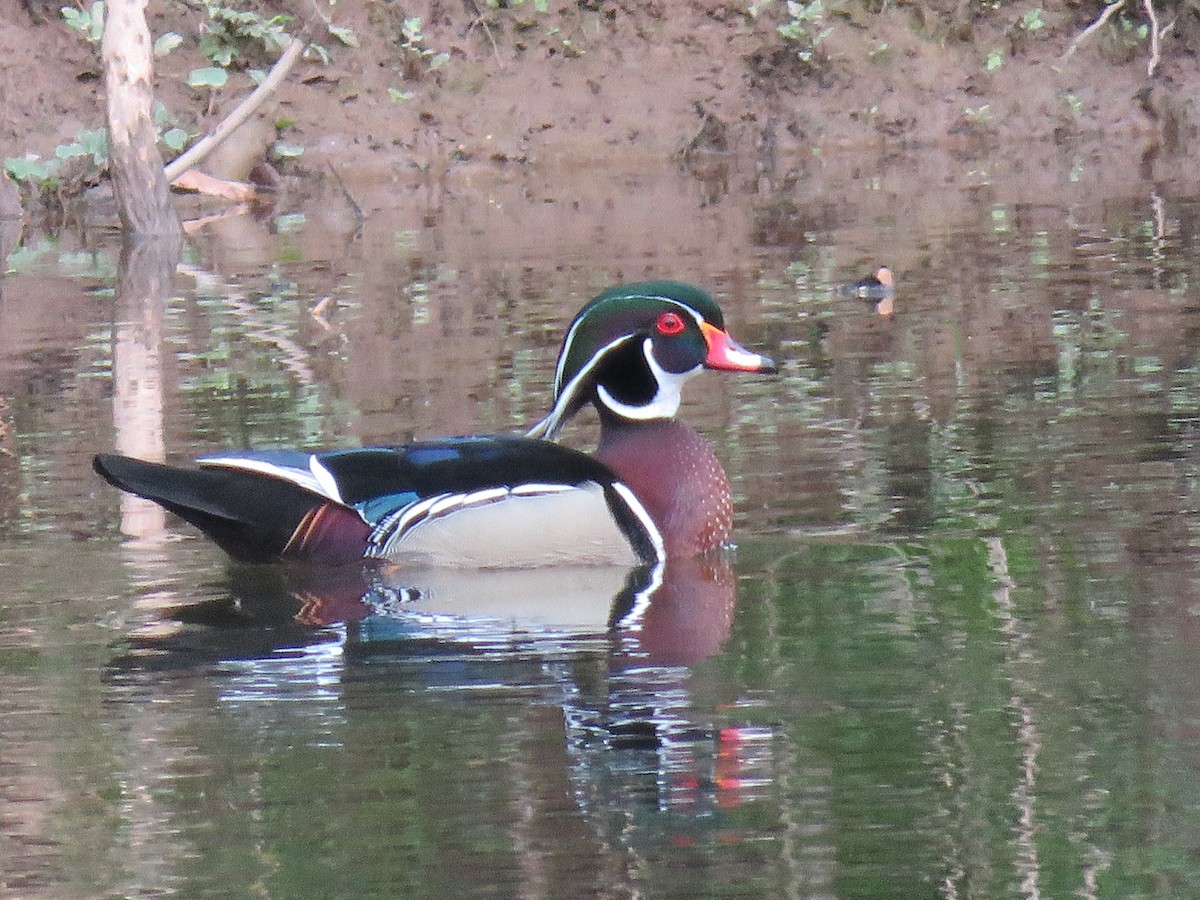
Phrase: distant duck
x=878 y=288
x=653 y=491
x=875 y=287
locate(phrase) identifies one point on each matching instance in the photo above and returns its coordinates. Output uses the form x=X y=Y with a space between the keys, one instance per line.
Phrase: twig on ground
x=1099 y=23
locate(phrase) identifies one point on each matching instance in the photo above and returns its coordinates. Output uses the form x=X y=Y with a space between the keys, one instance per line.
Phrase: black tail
x=252 y=517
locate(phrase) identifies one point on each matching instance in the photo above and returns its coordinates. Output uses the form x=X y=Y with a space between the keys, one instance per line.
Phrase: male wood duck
x=653 y=491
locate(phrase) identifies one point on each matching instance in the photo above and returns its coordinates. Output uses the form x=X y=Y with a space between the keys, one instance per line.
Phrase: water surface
x=952 y=654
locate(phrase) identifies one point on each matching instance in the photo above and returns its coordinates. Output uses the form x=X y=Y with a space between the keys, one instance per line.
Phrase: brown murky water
x=952 y=655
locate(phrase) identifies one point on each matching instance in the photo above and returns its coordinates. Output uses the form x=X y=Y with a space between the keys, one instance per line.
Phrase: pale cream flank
x=563 y=527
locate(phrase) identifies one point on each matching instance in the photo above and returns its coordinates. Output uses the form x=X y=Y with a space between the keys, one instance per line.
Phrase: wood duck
x=654 y=490
x=879 y=285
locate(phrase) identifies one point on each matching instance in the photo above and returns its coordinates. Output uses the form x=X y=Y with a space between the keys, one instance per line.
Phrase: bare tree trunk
x=137 y=168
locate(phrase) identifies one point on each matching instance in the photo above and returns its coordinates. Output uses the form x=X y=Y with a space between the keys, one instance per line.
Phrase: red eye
x=669 y=323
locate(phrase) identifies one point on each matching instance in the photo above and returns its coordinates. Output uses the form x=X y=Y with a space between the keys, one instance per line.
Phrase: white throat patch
x=665 y=402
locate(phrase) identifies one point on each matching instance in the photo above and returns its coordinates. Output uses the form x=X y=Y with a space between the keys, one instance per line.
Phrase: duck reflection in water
x=674 y=613
x=612 y=647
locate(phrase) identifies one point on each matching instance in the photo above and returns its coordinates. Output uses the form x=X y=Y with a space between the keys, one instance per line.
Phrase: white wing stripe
x=635 y=505
x=329 y=485
x=522 y=490
x=299 y=477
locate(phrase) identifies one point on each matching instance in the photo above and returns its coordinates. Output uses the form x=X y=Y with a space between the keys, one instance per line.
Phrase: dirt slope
x=600 y=82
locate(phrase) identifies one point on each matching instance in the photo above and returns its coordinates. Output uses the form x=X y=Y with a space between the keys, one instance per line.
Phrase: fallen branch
x=195 y=180
x=1099 y=23
x=207 y=144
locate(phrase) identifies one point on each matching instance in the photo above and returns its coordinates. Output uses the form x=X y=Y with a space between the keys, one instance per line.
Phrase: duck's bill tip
x=767 y=366
x=728 y=355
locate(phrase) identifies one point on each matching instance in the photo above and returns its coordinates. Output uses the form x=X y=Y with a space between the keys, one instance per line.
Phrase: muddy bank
x=707 y=85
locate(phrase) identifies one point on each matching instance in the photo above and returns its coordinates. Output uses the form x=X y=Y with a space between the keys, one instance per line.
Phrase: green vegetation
x=88 y=22
x=233 y=40
x=418 y=56
x=804 y=27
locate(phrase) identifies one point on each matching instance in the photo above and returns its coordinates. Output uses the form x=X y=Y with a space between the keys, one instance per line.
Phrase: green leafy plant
x=88 y=22
x=1032 y=20
x=1124 y=37
x=88 y=145
x=84 y=159
x=74 y=164
x=417 y=55
x=30 y=169
x=229 y=34
x=284 y=150
x=170 y=134
x=166 y=43
x=803 y=28
x=995 y=60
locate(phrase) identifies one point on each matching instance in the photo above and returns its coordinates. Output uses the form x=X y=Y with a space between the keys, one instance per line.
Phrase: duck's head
x=631 y=349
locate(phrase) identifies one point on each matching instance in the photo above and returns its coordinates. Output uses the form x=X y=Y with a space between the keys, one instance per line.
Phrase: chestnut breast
x=678 y=478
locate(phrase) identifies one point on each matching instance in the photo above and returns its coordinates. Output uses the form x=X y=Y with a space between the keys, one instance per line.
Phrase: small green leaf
x=167 y=43
x=439 y=60
x=97 y=30
x=175 y=138
x=73 y=150
x=284 y=150
x=398 y=96
x=211 y=77
x=29 y=168
x=289 y=222
x=319 y=52
x=995 y=60
x=258 y=76
x=345 y=35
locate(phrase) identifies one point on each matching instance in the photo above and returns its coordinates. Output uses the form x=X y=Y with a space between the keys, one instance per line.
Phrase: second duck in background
x=879 y=288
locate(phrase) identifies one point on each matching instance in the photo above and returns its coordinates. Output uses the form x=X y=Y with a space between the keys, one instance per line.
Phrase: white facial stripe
x=567 y=391
x=550 y=425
